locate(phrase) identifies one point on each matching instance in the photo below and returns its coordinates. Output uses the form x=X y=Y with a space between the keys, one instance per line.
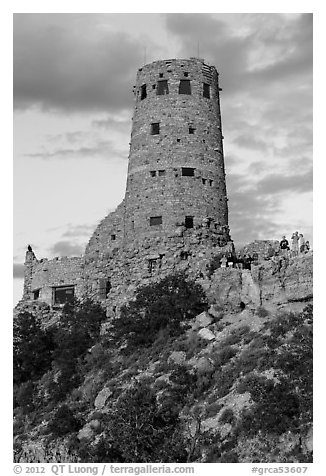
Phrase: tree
x=167 y=305
x=78 y=330
x=141 y=430
x=33 y=348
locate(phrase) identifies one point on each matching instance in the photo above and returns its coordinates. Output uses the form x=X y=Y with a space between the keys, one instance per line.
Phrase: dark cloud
x=71 y=62
x=278 y=183
x=250 y=142
x=254 y=205
x=66 y=248
x=103 y=149
x=18 y=271
x=251 y=216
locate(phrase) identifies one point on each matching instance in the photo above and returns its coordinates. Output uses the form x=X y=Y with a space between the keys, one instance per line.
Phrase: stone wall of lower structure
x=48 y=275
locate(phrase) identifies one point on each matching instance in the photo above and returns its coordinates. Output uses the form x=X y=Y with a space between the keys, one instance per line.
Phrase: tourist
x=301 y=243
x=239 y=261
x=284 y=245
x=295 y=244
x=223 y=261
x=307 y=246
x=230 y=259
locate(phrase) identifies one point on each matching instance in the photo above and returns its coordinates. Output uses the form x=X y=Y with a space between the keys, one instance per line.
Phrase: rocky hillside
x=213 y=371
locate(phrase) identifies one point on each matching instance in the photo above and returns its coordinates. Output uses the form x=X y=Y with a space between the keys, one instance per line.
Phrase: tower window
x=189 y=222
x=161 y=75
x=155 y=128
x=210 y=182
x=153 y=173
x=186 y=74
x=153 y=265
x=191 y=130
x=153 y=221
x=143 y=92
x=187 y=172
x=113 y=237
x=36 y=294
x=162 y=87
x=204 y=181
x=184 y=86
x=206 y=91
x=153 y=86
x=161 y=173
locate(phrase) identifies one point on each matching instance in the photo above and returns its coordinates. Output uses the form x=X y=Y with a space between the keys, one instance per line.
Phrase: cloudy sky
x=73 y=102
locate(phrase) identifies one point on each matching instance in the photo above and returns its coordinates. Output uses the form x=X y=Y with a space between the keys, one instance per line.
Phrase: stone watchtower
x=174 y=215
x=176 y=174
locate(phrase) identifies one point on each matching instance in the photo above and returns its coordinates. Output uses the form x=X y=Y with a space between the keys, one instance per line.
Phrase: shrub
x=63 y=422
x=229 y=457
x=254 y=358
x=24 y=396
x=213 y=409
x=232 y=339
x=224 y=355
x=262 y=312
x=227 y=416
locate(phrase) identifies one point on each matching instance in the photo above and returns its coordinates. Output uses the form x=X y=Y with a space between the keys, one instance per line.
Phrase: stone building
x=174 y=215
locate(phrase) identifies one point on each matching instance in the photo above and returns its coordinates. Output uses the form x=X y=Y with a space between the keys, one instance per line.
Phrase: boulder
x=204 y=364
x=178 y=357
x=202 y=320
x=206 y=334
x=102 y=398
x=85 y=432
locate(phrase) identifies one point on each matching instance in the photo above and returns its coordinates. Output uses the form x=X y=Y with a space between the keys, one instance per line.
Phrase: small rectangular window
x=206 y=91
x=155 y=128
x=185 y=74
x=36 y=294
x=204 y=181
x=161 y=173
x=143 y=92
x=161 y=75
x=153 y=221
x=187 y=172
x=184 y=86
x=189 y=222
x=63 y=294
x=153 y=86
x=153 y=173
x=162 y=87
x=153 y=265
x=113 y=237
x=210 y=182
x=191 y=130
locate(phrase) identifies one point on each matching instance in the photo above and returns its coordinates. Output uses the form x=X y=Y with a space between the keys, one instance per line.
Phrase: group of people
x=244 y=260
x=240 y=261
x=297 y=245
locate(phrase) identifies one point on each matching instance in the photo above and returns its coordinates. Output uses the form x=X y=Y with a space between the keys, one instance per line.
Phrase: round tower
x=176 y=173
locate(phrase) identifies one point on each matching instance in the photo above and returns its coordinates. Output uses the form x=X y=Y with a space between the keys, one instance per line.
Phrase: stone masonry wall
x=48 y=274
